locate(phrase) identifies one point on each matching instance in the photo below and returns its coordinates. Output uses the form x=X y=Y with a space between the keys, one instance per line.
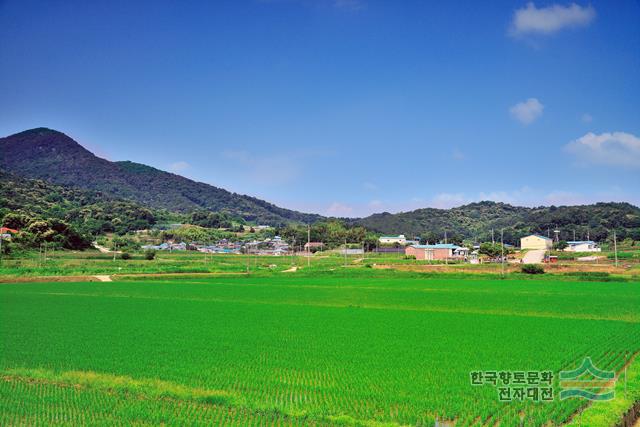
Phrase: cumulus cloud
x=532 y=20
x=609 y=148
x=180 y=166
x=528 y=111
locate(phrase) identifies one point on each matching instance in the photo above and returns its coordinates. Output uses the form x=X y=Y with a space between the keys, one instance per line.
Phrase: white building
x=400 y=239
x=535 y=241
x=582 y=246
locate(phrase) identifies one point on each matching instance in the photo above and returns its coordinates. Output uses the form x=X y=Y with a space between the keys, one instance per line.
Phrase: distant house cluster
x=535 y=241
x=275 y=246
x=167 y=246
x=448 y=251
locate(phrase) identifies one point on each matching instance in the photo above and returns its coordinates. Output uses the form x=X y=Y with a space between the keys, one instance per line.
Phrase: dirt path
x=534 y=257
x=102 y=249
x=103 y=278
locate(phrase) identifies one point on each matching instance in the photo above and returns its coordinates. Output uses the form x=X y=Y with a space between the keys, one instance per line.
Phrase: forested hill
x=90 y=212
x=53 y=156
x=475 y=221
x=134 y=189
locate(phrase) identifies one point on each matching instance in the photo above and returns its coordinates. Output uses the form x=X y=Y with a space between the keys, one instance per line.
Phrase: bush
x=532 y=269
x=125 y=255
x=149 y=254
x=409 y=257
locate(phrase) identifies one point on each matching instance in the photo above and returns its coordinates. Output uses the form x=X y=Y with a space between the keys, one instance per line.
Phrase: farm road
x=534 y=257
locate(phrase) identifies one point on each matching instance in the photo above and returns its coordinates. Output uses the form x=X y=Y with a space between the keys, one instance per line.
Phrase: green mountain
x=53 y=156
x=476 y=220
x=96 y=195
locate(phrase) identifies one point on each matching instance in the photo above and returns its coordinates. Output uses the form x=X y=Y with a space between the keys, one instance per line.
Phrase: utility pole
x=615 y=247
x=115 y=248
x=246 y=254
x=345 y=253
x=502 y=249
x=493 y=240
x=574 y=234
x=308 y=245
x=445 y=237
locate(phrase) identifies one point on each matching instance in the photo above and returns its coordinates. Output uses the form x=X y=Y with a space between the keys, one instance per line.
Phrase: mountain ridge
x=43 y=153
x=52 y=156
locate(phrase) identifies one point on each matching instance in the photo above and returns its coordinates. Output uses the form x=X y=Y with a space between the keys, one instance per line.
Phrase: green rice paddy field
x=323 y=349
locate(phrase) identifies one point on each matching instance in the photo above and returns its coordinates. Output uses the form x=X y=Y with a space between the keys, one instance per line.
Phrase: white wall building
x=535 y=241
x=583 y=246
x=401 y=239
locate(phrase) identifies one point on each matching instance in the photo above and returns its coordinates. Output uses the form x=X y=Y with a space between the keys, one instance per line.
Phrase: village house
x=582 y=246
x=6 y=233
x=313 y=246
x=440 y=251
x=535 y=241
x=400 y=239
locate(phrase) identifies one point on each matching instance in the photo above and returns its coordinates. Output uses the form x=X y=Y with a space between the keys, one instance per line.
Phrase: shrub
x=149 y=254
x=125 y=255
x=532 y=269
x=409 y=257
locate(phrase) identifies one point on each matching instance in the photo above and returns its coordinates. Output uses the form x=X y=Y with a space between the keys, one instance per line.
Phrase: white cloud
x=527 y=112
x=586 y=118
x=550 y=19
x=448 y=200
x=566 y=198
x=339 y=209
x=612 y=149
x=522 y=196
x=180 y=166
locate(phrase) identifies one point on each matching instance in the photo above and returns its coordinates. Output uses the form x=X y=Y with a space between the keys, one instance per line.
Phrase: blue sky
x=342 y=107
